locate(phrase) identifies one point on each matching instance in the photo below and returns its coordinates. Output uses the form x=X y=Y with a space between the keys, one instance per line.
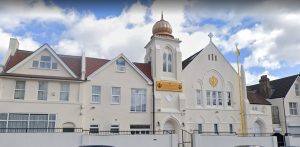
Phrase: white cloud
x=253 y=78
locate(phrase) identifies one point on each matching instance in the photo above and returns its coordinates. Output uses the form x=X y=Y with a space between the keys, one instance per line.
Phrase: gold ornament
x=213 y=81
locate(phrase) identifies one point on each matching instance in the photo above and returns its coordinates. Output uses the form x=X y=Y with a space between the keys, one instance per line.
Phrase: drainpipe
x=153 y=109
x=284 y=115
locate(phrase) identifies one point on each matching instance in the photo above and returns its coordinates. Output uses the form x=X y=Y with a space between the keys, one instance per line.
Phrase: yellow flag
x=237 y=51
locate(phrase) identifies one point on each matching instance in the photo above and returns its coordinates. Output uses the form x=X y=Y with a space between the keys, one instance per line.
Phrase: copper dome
x=162 y=28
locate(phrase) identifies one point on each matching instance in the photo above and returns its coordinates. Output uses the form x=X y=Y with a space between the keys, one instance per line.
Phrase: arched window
x=167 y=61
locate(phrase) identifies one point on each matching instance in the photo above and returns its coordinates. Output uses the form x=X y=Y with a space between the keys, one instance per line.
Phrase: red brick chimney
x=264 y=86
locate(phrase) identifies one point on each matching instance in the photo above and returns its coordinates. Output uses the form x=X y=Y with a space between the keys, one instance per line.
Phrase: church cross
x=210 y=35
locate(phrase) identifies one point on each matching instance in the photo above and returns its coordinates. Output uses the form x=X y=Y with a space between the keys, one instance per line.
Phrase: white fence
x=292 y=141
x=231 y=141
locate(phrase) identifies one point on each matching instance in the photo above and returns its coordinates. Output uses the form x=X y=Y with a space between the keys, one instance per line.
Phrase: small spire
x=162 y=15
x=210 y=35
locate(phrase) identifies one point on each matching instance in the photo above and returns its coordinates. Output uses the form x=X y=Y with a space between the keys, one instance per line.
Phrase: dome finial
x=162 y=15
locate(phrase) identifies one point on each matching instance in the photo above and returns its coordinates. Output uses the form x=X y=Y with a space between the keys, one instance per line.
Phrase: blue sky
x=105 y=29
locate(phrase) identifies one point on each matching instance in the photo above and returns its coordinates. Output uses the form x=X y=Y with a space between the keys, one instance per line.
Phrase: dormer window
x=120 y=63
x=167 y=62
x=44 y=63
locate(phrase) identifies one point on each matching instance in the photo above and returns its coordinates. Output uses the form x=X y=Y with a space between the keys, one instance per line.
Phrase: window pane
x=45 y=58
x=54 y=65
x=165 y=62
x=17 y=116
x=138 y=100
x=208 y=98
x=38 y=117
x=96 y=91
x=220 y=98
x=116 y=90
x=198 y=97
x=35 y=64
x=3 y=116
x=170 y=63
x=64 y=91
x=214 y=96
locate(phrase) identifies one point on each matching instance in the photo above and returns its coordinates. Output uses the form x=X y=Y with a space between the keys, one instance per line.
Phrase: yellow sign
x=213 y=81
x=168 y=86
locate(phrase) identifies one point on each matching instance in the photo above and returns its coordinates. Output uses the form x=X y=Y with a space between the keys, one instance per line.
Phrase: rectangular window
x=45 y=62
x=94 y=129
x=54 y=65
x=114 y=129
x=96 y=94
x=220 y=98
x=138 y=100
x=293 y=108
x=198 y=97
x=216 y=129
x=20 y=90
x=64 y=91
x=214 y=98
x=35 y=64
x=200 y=128
x=140 y=129
x=24 y=122
x=43 y=90
x=231 y=128
x=297 y=89
x=115 y=95
x=121 y=65
x=165 y=62
x=275 y=115
x=208 y=98
x=228 y=98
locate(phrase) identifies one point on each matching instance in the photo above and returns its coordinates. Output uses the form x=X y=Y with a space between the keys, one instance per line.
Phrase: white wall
x=132 y=140
x=77 y=139
x=40 y=140
x=292 y=141
x=231 y=141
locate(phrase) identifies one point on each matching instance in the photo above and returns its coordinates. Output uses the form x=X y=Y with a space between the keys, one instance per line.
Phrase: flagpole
x=240 y=92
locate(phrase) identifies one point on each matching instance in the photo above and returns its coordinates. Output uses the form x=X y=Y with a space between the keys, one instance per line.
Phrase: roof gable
x=15 y=63
x=104 y=64
x=190 y=59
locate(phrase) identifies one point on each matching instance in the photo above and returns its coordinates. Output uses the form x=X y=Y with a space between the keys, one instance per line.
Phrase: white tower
x=163 y=52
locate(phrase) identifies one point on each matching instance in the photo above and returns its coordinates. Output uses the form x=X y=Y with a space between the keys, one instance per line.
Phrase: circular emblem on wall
x=213 y=81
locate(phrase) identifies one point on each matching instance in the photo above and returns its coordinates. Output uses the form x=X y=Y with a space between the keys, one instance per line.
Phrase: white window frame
x=62 y=91
x=214 y=98
x=167 y=61
x=229 y=98
x=115 y=98
x=208 y=98
x=293 y=106
x=20 y=90
x=39 y=63
x=220 y=98
x=139 y=98
x=120 y=67
x=43 y=90
x=96 y=94
x=198 y=97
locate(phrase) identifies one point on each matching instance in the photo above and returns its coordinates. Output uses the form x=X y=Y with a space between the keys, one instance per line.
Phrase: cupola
x=162 y=28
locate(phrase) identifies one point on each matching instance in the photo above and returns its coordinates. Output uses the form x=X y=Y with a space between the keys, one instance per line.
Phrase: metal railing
x=81 y=130
x=232 y=134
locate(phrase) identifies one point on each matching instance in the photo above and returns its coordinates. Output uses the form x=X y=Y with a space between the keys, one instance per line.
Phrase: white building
x=42 y=89
x=284 y=95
